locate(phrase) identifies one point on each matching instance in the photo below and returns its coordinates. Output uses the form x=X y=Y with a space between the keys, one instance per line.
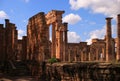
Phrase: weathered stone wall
x=24 y=48
x=78 y=51
x=8 y=40
x=38 y=43
x=80 y=72
x=19 y=50
x=97 y=50
x=2 y=43
x=21 y=53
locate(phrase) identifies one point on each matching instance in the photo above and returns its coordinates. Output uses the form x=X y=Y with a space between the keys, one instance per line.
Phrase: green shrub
x=52 y=60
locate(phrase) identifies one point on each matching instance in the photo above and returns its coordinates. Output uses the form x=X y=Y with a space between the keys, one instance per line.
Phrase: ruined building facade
x=10 y=47
x=39 y=46
x=36 y=46
x=8 y=41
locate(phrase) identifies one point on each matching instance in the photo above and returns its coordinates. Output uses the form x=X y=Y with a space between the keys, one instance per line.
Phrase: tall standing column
x=65 y=56
x=108 y=39
x=59 y=45
x=118 y=38
x=53 y=41
x=59 y=41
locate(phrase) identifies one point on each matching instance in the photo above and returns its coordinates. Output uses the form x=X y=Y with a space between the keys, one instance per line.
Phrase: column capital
x=108 y=18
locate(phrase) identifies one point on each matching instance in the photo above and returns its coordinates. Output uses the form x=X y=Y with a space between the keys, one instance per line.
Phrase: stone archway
x=59 y=33
x=38 y=36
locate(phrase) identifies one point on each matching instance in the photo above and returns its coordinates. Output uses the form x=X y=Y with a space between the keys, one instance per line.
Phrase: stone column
x=59 y=46
x=59 y=41
x=53 y=41
x=65 y=56
x=118 y=38
x=108 y=39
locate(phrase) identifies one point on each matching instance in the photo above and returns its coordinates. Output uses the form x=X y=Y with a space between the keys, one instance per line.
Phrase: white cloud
x=73 y=37
x=106 y=7
x=3 y=15
x=72 y=18
x=21 y=33
x=96 y=34
x=100 y=34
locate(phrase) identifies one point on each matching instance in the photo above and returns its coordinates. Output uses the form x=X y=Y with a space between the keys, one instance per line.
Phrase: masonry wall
x=2 y=43
x=10 y=40
x=24 y=48
x=97 y=51
x=38 y=43
x=19 y=50
x=78 y=51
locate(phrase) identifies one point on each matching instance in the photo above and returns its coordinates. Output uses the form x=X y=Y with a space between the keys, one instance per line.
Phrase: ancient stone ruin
x=36 y=46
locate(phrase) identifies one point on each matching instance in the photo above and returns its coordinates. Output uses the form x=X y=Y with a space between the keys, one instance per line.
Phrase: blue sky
x=86 y=18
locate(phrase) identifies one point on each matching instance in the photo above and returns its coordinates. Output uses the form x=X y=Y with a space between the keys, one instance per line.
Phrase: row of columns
x=59 y=40
x=110 y=55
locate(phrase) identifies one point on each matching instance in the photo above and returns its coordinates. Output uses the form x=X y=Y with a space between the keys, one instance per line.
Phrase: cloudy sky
x=86 y=18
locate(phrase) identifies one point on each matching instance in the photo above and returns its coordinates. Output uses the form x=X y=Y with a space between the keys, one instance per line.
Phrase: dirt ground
x=16 y=78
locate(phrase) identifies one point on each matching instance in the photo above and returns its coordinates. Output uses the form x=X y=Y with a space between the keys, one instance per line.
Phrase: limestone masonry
x=36 y=46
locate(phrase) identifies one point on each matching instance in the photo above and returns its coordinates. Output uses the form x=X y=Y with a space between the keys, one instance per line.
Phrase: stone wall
x=78 y=51
x=2 y=43
x=19 y=50
x=24 y=48
x=80 y=72
x=38 y=43
x=8 y=41
x=97 y=50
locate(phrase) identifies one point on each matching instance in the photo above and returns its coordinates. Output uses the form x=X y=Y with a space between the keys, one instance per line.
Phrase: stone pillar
x=65 y=56
x=59 y=45
x=6 y=22
x=59 y=40
x=118 y=38
x=53 y=41
x=108 y=39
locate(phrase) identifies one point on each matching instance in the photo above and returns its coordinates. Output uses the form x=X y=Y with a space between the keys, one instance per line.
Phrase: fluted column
x=118 y=38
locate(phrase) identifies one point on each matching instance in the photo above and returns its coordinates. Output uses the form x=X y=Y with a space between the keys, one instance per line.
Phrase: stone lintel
x=58 y=11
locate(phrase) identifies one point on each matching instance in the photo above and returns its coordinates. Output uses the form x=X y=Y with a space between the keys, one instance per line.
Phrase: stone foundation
x=80 y=72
